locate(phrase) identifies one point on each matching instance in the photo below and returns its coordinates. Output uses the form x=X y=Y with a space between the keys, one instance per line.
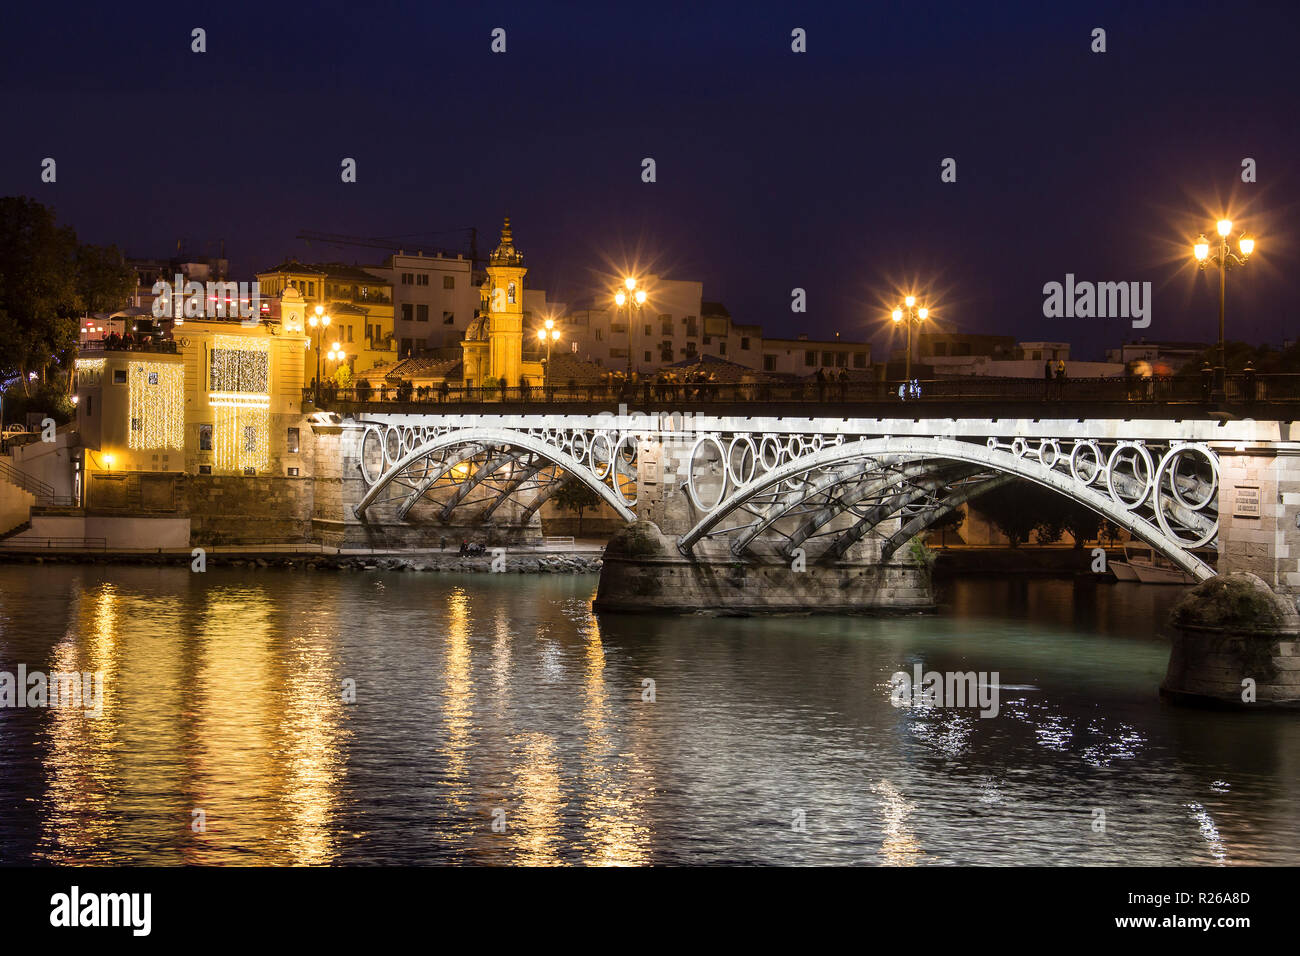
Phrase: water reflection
x=223 y=693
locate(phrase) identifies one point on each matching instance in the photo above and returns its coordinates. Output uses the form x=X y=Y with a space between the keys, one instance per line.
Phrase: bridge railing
x=1116 y=390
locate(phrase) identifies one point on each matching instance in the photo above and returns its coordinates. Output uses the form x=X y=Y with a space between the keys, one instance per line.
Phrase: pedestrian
x=821 y=385
x=442 y=544
x=1047 y=378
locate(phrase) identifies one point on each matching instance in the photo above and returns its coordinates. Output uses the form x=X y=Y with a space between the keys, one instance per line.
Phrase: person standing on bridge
x=1047 y=378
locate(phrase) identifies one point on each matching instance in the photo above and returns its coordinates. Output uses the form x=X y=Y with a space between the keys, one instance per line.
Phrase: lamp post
x=912 y=316
x=627 y=298
x=335 y=354
x=549 y=335
x=1223 y=260
x=319 y=321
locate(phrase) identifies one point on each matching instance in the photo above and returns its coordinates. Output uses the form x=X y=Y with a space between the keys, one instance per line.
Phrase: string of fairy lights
x=240 y=399
x=156 y=403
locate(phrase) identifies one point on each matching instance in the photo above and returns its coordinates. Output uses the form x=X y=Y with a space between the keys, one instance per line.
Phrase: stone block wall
x=230 y=509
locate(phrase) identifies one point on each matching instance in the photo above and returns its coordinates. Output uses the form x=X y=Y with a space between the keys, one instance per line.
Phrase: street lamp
x=320 y=322
x=1223 y=259
x=548 y=335
x=912 y=316
x=621 y=299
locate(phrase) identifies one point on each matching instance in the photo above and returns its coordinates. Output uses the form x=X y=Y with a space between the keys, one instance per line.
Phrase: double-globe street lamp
x=1223 y=259
x=319 y=321
x=913 y=316
x=632 y=296
x=548 y=335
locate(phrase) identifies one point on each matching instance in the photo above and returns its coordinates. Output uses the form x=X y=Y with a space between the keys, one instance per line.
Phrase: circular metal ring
x=1076 y=462
x=747 y=452
x=1115 y=457
x=690 y=472
x=1169 y=462
x=1049 y=444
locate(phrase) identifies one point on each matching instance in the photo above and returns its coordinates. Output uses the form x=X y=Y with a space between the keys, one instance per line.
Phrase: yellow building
x=492 y=350
x=220 y=397
x=359 y=305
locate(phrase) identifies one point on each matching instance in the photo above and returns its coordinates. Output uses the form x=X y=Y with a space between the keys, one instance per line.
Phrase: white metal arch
x=483 y=436
x=959 y=451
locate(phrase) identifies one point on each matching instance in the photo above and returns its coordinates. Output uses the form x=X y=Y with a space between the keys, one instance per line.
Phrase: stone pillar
x=1236 y=637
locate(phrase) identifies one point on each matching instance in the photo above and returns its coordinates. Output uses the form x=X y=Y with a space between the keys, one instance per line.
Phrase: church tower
x=505 y=307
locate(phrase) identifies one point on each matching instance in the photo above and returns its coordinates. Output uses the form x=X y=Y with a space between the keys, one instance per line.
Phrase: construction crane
x=399 y=243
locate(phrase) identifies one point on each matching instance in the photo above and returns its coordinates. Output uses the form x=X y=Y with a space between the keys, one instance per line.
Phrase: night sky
x=775 y=169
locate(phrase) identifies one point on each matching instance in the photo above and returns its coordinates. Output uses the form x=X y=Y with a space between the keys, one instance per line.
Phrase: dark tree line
x=48 y=281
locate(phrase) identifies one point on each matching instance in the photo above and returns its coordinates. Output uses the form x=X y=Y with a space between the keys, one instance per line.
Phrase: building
x=358 y=302
x=676 y=324
x=435 y=299
x=492 y=350
x=221 y=397
x=1168 y=356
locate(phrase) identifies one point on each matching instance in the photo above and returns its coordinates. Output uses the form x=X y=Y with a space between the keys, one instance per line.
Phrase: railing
x=164 y=347
x=1118 y=390
x=33 y=486
x=558 y=541
x=32 y=544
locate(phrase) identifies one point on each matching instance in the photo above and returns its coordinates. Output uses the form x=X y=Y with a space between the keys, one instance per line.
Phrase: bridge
x=824 y=491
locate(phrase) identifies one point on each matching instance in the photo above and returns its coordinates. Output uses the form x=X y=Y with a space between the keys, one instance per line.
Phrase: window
x=422 y=279
x=153 y=378
x=690 y=349
x=293 y=472
x=648 y=330
x=827 y=360
x=119 y=376
x=1037 y=354
x=250 y=472
x=708 y=340
x=449 y=282
x=940 y=349
x=449 y=318
x=722 y=347
x=841 y=359
x=205 y=438
x=690 y=325
x=292 y=441
x=859 y=359
x=406 y=346
x=510 y=293
x=769 y=363
x=744 y=343
x=809 y=358
x=647 y=357
x=422 y=313
x=205 y=469
x=407 y=278
x=666 y=324
x=408 y=312
x=600 y=335
x=250 y=439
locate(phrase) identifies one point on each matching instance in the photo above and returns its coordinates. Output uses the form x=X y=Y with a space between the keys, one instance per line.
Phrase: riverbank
x=510 y=560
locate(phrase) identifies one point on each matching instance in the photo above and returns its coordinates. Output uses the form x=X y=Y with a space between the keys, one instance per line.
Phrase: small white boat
x=1142 y=564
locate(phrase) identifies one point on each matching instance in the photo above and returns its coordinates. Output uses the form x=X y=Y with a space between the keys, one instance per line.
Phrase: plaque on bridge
x=1247 y=502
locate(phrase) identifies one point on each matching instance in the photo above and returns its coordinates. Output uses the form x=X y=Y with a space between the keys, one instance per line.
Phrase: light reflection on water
x=502 y=698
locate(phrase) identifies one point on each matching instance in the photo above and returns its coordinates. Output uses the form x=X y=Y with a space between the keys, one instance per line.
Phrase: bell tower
x=505 y=303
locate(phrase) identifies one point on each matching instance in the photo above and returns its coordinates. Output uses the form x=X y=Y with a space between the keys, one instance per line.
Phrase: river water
x=497 y=720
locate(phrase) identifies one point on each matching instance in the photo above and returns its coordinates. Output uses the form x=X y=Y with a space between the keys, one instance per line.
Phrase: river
x=294 y=717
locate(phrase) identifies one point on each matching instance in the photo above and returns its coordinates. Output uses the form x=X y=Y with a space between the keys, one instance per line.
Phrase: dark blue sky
x=775 y=170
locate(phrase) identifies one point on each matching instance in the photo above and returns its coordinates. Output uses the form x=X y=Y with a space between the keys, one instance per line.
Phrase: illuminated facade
x=492 y=350
x=360 y=306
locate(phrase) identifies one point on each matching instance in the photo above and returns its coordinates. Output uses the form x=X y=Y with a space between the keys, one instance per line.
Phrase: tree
x=38 y=290
x=573 y=495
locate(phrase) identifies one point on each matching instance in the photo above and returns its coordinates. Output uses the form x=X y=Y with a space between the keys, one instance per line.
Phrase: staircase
x=19 y=491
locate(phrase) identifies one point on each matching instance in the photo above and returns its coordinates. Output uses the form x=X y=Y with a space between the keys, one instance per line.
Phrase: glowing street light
x=1224 y=259
x=548 y=336
x=912 y=316
x=627 y=299
x=319 y=321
